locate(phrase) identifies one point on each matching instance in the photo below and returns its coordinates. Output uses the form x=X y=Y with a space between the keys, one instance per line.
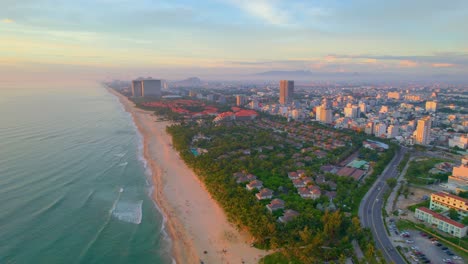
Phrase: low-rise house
x=255 y=184
x=275 y=204
x=288 y=216
x=298 y=183
x=301 y=173
x=293 y=175
x=304 y=192
x=307 y=180
x=315 y=191
x=264 y=194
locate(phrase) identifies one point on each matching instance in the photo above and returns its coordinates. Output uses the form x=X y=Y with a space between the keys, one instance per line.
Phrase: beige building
x=458 y=181
x=394 y=95
x=286 y=91
x=444 y=201
x=431 y=106
x=423 y=131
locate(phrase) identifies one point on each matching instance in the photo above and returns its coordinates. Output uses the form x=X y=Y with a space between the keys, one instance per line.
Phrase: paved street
x=370 y=210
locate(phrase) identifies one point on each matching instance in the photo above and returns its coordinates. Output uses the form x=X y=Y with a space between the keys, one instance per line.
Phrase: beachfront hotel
x=146 y=87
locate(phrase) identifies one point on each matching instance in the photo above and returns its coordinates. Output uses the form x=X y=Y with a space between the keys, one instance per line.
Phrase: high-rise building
x=137 y=88
x=363 y=107
x=286 y=91
x=351 y=111
x=241 y=100
x=380 y=130
x=324 y=115
x=369 y=129
x=392 y=131
x=431 y=106
x=423 y=131
x=146 y=87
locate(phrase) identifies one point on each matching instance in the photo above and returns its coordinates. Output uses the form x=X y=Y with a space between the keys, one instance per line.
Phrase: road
x=370 y=210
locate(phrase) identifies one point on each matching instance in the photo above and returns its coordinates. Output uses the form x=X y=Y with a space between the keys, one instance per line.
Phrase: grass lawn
x=418 y=171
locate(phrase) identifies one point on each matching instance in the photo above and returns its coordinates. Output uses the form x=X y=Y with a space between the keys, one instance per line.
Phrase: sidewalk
x=389 y=208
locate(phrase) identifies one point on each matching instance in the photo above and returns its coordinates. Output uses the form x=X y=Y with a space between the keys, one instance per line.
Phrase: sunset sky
x=217 y=38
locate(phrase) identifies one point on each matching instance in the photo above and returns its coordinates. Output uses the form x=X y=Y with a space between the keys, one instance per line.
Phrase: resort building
x=275 y=204
x=445 y=201
x=146 y=87
x=255 y=184
x=441 y=222
x=288 y=216
x=264 y=194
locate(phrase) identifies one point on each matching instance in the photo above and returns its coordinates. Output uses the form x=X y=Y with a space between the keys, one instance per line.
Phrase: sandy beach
x=196 y=223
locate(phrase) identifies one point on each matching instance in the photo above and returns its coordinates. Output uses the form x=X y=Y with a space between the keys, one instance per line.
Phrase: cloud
x=408 y=64
x=8 y=21
x=442 y=65
x=266 y=10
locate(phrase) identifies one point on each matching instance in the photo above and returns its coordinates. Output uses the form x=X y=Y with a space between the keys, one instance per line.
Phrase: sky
x=96 y=39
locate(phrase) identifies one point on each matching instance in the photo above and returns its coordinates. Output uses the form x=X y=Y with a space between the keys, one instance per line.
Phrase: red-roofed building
x=442 y=223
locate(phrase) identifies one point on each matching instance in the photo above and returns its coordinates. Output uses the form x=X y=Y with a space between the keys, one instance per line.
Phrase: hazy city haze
x=216 y=39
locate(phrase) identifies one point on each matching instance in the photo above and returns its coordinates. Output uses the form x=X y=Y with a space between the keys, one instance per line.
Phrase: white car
x=409 y=241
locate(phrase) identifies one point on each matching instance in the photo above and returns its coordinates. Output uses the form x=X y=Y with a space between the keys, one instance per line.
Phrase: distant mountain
x=305 y=74
x=189 y=82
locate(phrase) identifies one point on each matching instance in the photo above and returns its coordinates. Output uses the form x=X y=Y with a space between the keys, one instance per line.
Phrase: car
x=429 y=237
x=426 y=261
x=433 y=239
x=409 y=241
x=422 y=234
x=449 y=253
x=438 y=244
x=456 y=257
x=396 y=233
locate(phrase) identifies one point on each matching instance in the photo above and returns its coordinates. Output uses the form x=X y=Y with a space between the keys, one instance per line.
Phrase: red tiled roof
x=246 y=113
x=441 y=217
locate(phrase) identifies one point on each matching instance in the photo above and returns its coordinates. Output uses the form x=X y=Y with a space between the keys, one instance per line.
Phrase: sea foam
x=130 y=212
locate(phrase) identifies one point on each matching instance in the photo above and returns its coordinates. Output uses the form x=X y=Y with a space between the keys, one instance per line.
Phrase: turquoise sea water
x=73 y=187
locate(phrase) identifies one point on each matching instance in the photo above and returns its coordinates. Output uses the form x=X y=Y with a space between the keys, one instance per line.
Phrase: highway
x=370 y=210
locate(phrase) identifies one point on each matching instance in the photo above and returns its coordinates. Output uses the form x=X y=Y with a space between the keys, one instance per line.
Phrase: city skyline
x=228 y=39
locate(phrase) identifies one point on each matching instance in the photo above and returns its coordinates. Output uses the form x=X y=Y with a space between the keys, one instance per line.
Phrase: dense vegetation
x=319 y=225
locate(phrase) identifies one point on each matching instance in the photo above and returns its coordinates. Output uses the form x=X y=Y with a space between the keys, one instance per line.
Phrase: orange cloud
x=330 y=58
x=373 y=61
x=442 y=65
x=7 y=20
x=408 y=63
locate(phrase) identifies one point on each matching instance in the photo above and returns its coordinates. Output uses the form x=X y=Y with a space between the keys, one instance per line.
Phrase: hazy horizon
x=45 y=40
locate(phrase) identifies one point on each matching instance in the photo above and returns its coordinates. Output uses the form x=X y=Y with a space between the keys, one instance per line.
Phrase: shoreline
x=197 y=225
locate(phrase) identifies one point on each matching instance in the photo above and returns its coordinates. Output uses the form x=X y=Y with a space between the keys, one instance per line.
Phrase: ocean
x=73 y=183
